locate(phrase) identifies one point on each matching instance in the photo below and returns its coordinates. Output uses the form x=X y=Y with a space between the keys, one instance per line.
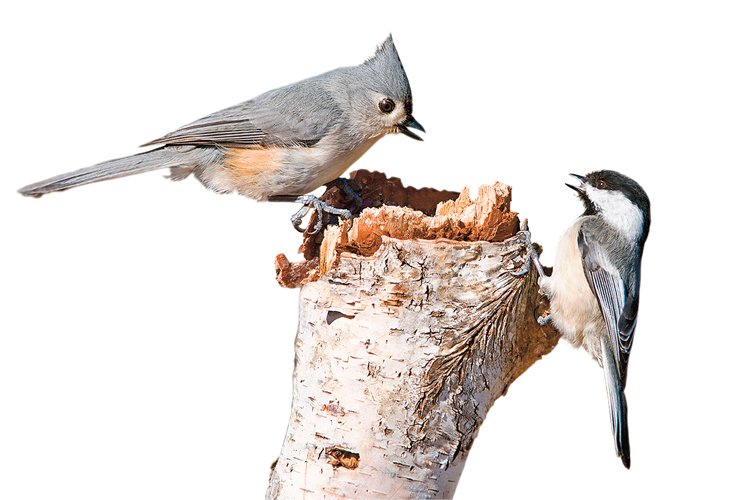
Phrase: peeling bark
x=404 y=344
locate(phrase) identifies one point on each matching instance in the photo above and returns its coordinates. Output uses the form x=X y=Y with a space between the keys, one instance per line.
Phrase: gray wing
x=611 y=291
x=292 y=115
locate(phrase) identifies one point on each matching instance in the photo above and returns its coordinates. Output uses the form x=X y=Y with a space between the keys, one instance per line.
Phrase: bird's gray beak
x=404 y=126
x=577 y=189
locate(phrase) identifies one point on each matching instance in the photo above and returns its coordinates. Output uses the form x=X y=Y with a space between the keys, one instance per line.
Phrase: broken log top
x=402 y=213
x=410 y=327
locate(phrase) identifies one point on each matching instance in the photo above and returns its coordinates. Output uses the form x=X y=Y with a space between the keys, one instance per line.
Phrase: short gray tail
x=618 y=406
x=164 y=157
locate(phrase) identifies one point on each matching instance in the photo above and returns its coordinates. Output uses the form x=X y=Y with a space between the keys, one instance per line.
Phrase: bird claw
x=524 y=270
x=313 y=202
x=533 y=258
x=533 y=255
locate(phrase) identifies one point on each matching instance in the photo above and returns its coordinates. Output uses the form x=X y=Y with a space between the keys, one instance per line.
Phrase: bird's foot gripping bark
x=533 y=259
x=533 y=256
x=313 y=202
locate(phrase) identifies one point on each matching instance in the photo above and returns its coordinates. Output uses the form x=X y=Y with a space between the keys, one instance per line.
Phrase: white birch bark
x=399 y=356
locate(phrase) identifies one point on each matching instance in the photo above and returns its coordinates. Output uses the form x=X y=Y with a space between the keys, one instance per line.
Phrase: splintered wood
x=410 y=327
x=488 y=218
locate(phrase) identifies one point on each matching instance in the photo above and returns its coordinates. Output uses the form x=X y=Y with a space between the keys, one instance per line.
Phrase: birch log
x=410 y=327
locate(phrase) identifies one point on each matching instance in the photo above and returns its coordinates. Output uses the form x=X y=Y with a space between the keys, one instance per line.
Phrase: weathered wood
x=404 y=344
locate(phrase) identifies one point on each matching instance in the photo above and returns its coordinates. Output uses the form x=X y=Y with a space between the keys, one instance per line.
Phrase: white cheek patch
x=398 y=115
x=617 y=210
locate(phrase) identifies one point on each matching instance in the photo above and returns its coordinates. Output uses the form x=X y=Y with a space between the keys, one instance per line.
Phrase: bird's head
x=620 y=200
x=382 y=95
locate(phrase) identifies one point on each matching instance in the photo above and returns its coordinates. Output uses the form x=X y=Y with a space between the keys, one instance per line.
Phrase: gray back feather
x=297 y=114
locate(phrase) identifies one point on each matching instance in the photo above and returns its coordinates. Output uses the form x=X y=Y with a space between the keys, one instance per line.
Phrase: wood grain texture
x=410 y=330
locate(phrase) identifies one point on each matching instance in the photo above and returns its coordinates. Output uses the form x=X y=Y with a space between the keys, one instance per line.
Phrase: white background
x=146 y=348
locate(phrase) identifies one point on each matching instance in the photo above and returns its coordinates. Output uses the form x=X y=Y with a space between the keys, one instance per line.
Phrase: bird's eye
x=387 y=105
x=600 y=184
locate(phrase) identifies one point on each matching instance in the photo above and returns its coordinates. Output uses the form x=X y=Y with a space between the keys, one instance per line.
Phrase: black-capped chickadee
x=594 y=287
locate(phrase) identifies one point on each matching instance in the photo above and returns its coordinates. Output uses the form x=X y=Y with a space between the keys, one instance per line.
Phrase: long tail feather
x=163 y=157
x=618 y=406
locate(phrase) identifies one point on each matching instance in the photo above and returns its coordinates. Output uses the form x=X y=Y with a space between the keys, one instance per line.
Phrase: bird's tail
x=164 y=157
x=618 y=406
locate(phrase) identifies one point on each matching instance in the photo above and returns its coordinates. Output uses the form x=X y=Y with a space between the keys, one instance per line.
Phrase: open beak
x=404 y=126
x=577 y=189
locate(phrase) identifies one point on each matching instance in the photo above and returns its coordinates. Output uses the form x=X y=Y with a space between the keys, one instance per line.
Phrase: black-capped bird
x=594 y=287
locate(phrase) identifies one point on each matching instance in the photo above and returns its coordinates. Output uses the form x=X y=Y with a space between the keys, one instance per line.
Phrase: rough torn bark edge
x=447 y=214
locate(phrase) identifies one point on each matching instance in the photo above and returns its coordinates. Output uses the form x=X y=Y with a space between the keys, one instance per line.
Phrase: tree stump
x=411 y=324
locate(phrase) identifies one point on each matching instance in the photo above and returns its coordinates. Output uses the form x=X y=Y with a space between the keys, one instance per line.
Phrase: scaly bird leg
x=310 y=201
x=533 y=255
x=533 y=258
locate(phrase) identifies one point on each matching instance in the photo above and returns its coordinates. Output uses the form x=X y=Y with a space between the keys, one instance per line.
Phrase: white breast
x=573 y=307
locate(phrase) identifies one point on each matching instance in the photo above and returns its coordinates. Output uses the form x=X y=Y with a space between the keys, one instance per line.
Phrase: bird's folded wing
x=607 y=283
x=271 y=120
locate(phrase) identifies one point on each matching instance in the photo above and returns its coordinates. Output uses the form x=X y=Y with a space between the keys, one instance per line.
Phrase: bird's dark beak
x=404 y=126
x=577 y=189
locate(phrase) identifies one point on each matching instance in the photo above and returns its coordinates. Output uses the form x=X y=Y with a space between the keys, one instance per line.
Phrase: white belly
x=573 y=306
x=306 y=169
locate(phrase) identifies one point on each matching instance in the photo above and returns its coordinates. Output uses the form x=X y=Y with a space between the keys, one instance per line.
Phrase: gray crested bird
x=282 y=144
x=594 y=287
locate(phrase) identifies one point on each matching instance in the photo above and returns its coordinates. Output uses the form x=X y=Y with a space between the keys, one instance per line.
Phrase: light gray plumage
x=594 y=289
x=164 y=157
x=285 y=142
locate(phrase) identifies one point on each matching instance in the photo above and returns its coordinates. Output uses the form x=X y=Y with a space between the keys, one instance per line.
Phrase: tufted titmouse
x=595 y=283
x=282 y=144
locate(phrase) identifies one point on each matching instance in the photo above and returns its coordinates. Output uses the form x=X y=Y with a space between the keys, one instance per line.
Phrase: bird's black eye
x=600 y=184
x=387 y=105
